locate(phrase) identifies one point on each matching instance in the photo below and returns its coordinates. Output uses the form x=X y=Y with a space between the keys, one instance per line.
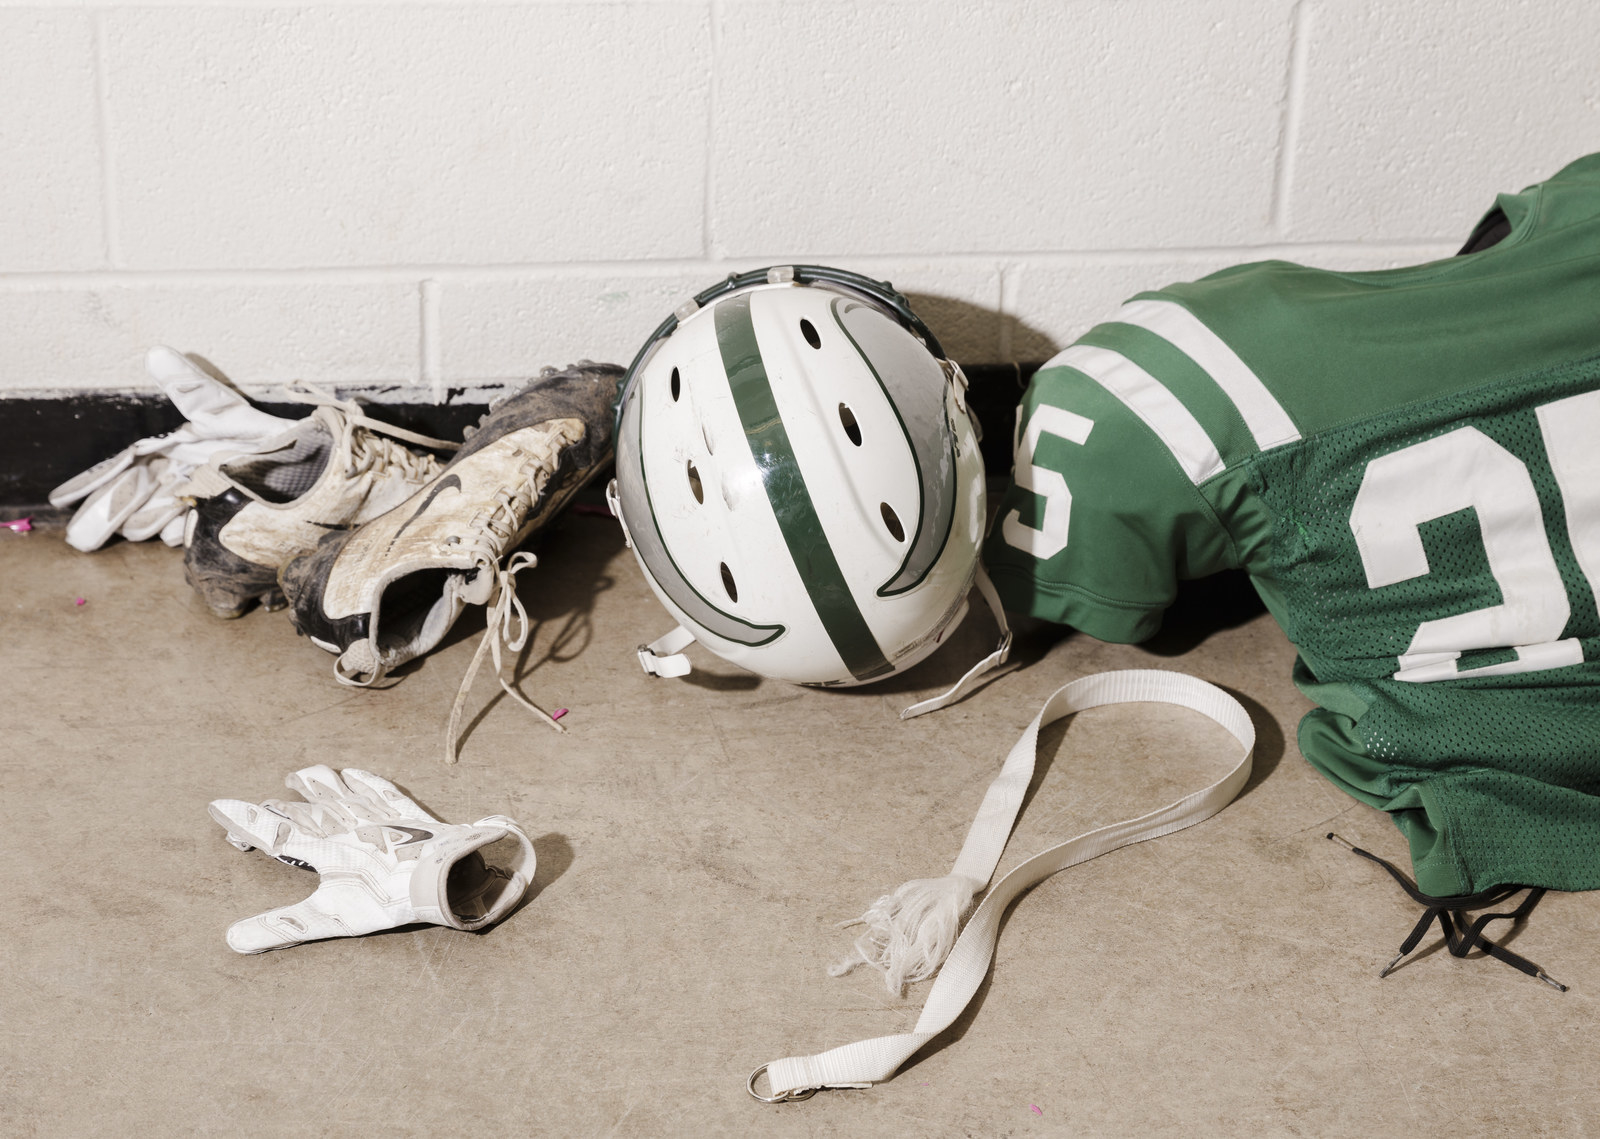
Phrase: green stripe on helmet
x=788 y=494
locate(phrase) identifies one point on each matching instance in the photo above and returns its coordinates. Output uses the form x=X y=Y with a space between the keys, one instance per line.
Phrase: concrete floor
x=697 y=842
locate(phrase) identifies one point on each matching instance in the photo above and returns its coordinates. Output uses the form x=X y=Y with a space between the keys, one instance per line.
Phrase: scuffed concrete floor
x=698 y=840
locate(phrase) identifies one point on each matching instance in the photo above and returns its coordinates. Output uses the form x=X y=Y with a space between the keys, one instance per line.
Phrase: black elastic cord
x=1452 y=914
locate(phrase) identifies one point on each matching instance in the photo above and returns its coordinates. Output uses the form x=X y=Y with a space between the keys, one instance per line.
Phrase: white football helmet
x=799 y=476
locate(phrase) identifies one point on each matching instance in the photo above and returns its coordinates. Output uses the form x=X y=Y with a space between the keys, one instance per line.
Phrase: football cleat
x=255 y=512
x=388 y=591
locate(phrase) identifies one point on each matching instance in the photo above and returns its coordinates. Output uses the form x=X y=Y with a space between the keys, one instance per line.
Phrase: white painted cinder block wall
x=448 y=194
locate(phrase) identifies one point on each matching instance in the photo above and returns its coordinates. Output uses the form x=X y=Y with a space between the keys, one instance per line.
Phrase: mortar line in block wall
x=428 y=332
x=109 y=219
x=1010 y=280
x=708 y=241
x=1420 y=248
x=1293 y=109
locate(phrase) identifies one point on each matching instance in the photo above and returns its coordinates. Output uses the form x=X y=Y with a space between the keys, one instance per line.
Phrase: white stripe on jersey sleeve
x=1263 y=415
x=1161 y=411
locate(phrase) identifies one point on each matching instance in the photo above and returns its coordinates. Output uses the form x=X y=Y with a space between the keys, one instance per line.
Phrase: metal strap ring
x=787 y=1097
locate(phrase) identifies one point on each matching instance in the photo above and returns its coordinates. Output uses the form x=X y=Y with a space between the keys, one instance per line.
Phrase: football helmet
x=799 y=476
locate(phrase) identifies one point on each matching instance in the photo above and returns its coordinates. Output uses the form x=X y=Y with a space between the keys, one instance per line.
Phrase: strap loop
x=788 y=1097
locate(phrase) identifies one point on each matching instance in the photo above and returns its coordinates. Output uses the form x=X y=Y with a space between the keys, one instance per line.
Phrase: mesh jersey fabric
x=1407 y=463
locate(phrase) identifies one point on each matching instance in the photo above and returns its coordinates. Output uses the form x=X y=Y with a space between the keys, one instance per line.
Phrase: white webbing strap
x=664 y=656
x=868 y=1062
x=994 y=660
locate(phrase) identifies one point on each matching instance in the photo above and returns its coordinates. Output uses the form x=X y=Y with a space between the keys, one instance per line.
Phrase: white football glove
x=133 y=490
x=384 y=861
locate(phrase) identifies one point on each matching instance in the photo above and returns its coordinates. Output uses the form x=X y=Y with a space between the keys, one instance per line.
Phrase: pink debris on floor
x=80 y=601
x=19 y=525
x=558 y=713
x=1036 y=1110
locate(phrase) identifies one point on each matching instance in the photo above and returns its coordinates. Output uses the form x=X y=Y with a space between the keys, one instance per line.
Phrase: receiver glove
x=384 y=861
x=134 y=490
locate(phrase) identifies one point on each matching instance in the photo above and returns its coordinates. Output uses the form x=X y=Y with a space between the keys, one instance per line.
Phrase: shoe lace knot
x=508 y=629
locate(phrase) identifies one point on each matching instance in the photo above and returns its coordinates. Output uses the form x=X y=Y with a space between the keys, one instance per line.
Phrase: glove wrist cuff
x=485 y=902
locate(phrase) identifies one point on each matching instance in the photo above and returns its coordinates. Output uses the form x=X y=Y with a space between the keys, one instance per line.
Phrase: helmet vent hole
x=677 y=385
x=727 y=583
x=847 y=419
x=892 y=521
x=809 y=331
x=694 y=483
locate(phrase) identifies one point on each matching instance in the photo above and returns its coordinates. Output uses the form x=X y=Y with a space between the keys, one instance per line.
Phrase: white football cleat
x=387 y=592
x=257 y=511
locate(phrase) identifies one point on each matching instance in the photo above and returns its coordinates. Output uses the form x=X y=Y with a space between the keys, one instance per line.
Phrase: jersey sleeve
x=1104 y=514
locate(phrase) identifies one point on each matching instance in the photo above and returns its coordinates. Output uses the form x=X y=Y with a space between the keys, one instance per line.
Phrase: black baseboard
x=45 y=441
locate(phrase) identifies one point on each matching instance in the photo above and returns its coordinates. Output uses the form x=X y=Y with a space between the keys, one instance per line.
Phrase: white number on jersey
x=1439 y=476
x=1050 y=538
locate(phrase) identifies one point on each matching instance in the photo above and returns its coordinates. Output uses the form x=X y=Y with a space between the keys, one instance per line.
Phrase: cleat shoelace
x=493 y=531
x=377 y=444
x=370 y=451
x=1453 y=914
x=504 y=609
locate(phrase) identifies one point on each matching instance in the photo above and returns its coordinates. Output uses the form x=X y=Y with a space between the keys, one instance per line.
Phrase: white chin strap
x=664 y=656
x=993 y=661
x=911 y=933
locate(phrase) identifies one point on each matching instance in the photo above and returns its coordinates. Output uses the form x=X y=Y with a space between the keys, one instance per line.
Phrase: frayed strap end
x=911 y=931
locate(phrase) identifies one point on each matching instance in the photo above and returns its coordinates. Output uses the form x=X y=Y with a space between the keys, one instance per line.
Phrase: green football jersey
x=1407 y=463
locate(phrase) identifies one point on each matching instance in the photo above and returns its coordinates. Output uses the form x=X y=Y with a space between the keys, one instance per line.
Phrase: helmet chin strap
x=993 y=661
x=664 y=656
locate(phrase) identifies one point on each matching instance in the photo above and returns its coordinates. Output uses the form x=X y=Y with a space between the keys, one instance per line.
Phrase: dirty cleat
x=387 y=592
x=255 y=512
